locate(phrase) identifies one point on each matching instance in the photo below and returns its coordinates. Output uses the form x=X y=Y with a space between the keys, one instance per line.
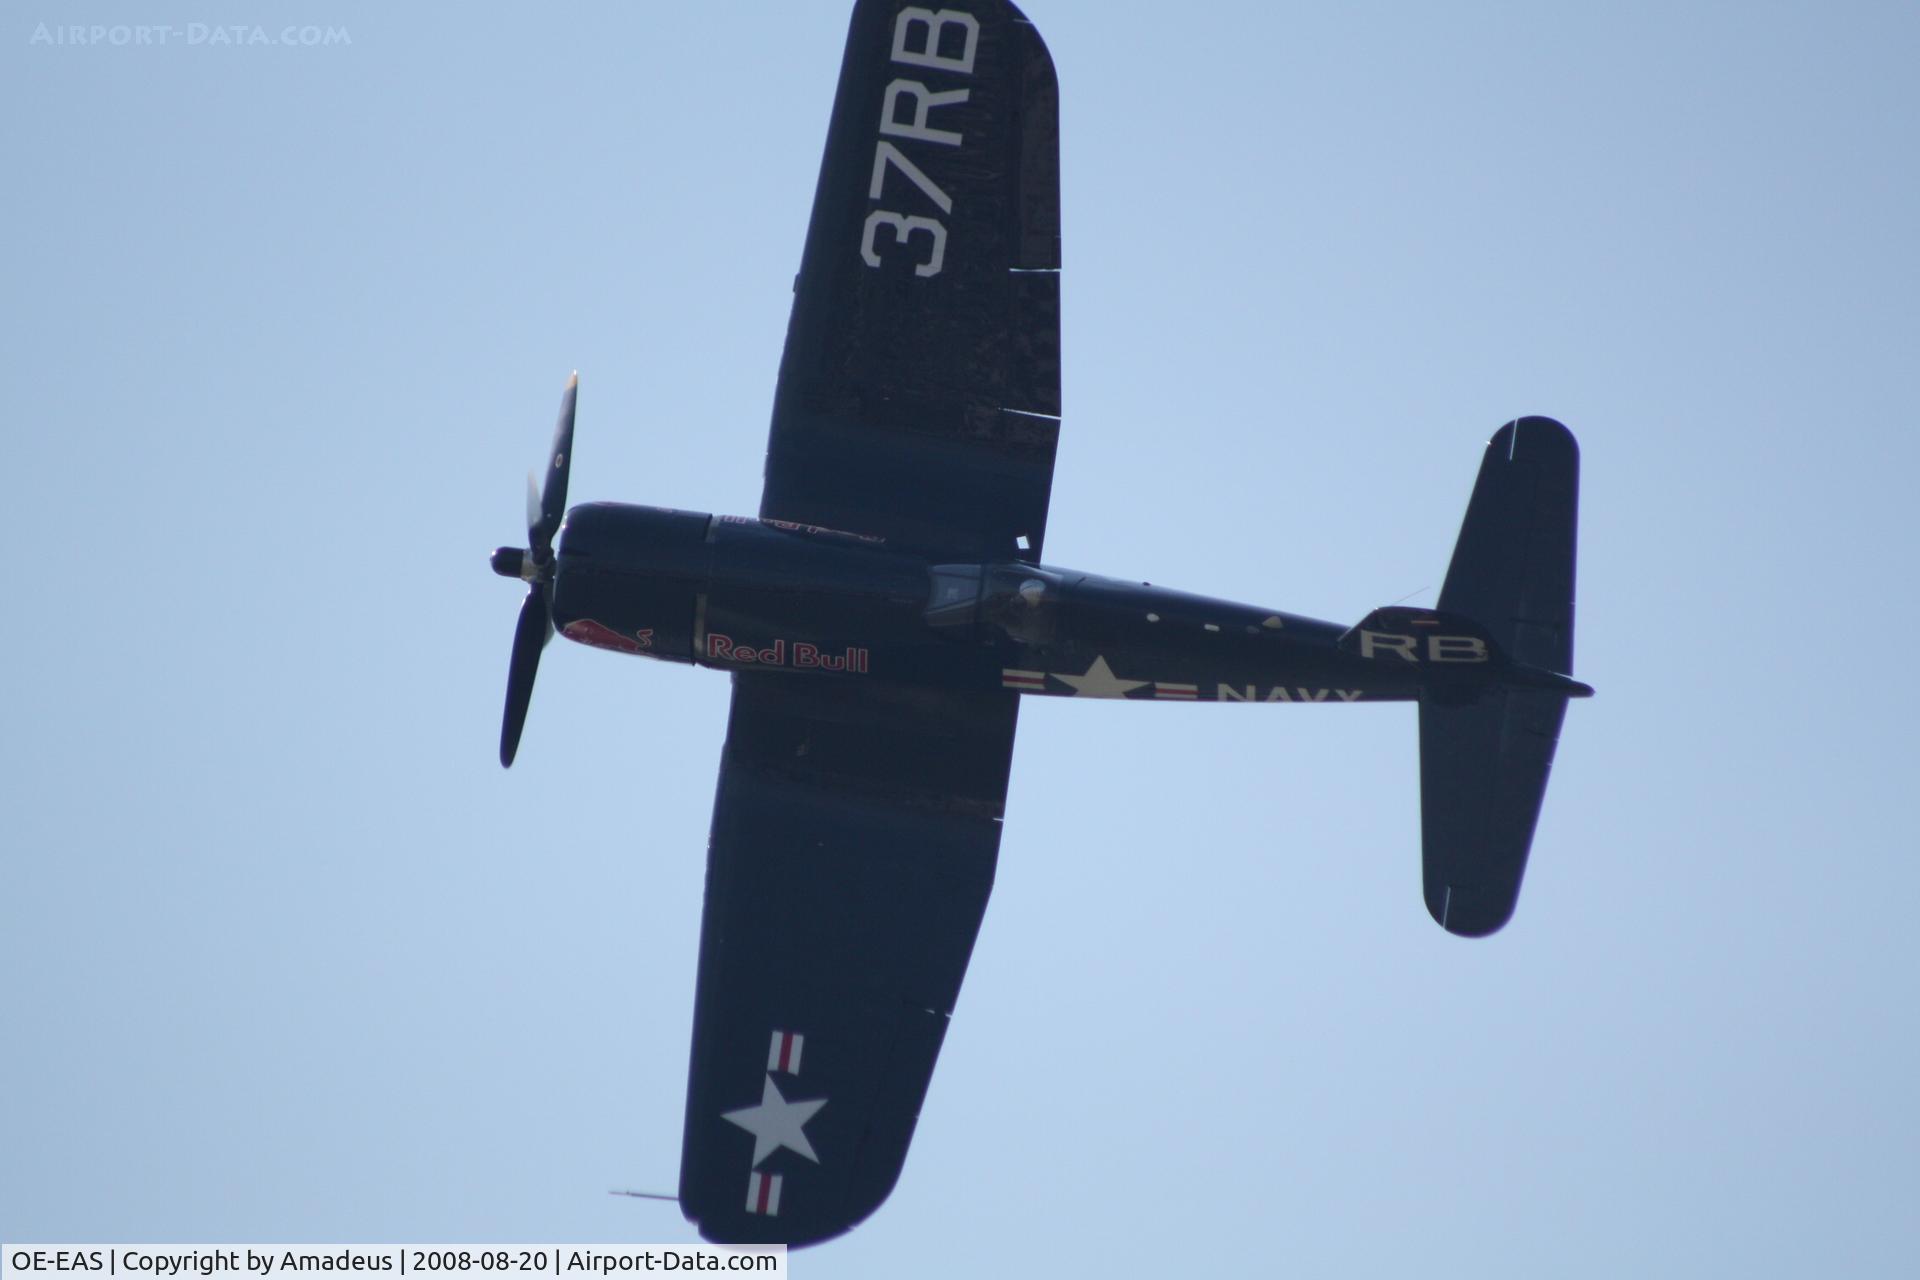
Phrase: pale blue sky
x=287 y=956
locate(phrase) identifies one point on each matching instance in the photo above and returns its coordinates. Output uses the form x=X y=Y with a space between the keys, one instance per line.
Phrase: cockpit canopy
x=982 y=600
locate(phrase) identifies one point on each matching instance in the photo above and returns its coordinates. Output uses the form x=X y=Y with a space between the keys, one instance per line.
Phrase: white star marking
x=1100 y=682
x=777 y=1123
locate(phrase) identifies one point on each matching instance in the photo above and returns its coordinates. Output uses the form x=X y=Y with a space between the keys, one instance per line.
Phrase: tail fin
x=1484 y=761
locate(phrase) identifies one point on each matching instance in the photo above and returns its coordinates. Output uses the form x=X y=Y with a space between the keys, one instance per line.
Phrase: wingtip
x=574 y=381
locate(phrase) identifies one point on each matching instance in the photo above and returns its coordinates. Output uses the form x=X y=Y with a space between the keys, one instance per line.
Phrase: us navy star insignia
x=1100 y=682
x=777 y=1123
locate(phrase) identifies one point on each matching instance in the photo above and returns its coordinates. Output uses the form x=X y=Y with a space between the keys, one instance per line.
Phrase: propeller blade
x=529 y=638
x=553 y=487
x=546 y=508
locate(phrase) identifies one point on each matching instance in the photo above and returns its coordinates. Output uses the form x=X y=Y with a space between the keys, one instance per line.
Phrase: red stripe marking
x=786 y=1049
x=766 y=1189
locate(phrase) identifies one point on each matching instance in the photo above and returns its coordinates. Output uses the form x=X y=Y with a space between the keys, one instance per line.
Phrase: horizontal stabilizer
x=1512 y=569
x=1486 y=751
x=1483 y=773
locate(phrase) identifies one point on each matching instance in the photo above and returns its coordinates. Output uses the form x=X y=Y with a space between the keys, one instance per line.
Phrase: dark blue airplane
x=886 y=610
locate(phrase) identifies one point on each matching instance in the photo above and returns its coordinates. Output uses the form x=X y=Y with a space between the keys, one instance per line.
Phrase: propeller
x=546 y=507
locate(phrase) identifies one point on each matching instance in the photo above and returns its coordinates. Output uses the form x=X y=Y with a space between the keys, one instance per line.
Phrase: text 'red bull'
x=798 y=655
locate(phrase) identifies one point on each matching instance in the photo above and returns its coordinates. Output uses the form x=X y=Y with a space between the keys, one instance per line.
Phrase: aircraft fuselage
x=738 y=593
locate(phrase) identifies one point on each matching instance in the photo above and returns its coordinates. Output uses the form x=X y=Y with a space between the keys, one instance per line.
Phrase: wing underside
x=856 y=825
x=854 y=839
x=919 y=392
